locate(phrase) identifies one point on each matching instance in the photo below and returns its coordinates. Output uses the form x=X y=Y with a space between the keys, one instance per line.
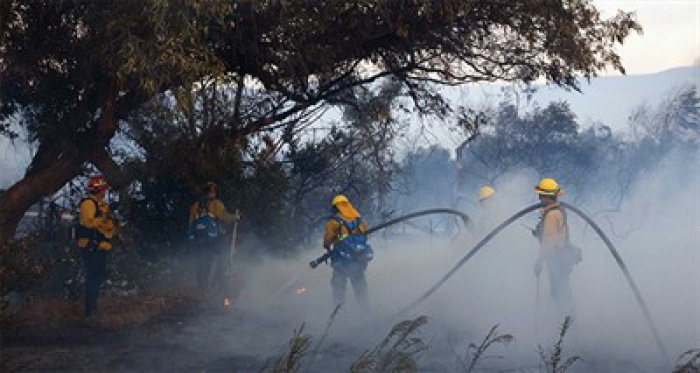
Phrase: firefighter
x=345 y=238
x=94 y=235
x=556 y=251
x=485 y=195
x=487 y=213
x=206 y=232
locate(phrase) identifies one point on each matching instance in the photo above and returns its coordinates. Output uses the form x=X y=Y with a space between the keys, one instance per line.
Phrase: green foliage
x=76 y=70
x=21 y=269
x=548 y=140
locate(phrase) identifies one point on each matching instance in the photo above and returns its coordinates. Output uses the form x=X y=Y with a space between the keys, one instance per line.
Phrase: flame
x=300 y=290
x=227 y=302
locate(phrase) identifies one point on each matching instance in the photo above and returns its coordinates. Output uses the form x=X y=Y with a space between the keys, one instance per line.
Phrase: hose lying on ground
x=517 y=216
x=465 y=219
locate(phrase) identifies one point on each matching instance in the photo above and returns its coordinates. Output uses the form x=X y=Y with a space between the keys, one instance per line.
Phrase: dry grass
x=115 y=312
x=552 y=359
x=476 y=353
x=329 y=323
x=398 y=352
x=291 y=361
x=688 y=362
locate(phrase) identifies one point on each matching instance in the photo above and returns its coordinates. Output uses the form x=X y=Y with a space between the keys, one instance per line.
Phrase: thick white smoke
x=655 y=231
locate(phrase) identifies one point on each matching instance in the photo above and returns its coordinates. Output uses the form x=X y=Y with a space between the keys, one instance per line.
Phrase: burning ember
x=300 y=290
x=227 y=302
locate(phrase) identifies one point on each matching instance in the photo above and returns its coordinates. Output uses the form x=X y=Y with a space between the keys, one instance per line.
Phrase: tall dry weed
x=474 y=353
x=399 y=351
x=552 y=359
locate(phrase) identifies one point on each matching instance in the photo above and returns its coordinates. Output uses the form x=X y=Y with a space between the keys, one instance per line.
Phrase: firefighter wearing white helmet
x=350 y=253
x=556 y=250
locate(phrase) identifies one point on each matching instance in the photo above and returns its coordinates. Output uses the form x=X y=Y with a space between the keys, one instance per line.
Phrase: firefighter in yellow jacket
x=345 y=237
x=94 y=235
x=556 y=250
x=205 y=231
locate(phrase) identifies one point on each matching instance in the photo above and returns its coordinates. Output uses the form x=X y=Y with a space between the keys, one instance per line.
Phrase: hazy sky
x=671 y=33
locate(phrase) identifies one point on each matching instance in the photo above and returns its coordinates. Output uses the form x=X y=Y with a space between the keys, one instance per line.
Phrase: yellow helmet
x=340 y=199
x=548 y=187
x=485 y=192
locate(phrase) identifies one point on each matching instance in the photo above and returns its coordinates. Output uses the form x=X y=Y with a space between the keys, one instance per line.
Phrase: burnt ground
x=187 y=334
x=154 y=333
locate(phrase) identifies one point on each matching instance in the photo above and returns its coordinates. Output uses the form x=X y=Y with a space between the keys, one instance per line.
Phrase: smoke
x=655 y=229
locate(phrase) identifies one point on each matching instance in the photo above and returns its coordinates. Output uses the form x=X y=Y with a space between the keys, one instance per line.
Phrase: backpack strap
x=353 y=227
x=203 y=207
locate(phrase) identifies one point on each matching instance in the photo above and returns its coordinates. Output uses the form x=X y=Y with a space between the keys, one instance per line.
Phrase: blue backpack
x=352 y=247
x=205 y=227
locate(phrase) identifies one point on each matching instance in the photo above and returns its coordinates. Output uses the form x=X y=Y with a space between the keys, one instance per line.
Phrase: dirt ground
x=153 y=333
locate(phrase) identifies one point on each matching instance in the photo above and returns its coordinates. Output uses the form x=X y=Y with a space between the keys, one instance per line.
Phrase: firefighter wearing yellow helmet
x=485 y=193
x=350 y=253
x=556 y=250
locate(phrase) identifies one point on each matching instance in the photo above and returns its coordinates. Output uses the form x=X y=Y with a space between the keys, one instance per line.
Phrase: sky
x=671 y=35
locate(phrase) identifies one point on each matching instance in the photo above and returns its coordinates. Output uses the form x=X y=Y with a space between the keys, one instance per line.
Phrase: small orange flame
x=300 y=290
x=227 y=302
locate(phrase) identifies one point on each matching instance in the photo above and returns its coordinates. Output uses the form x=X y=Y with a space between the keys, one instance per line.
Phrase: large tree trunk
x=53 y=167
x=35 y=185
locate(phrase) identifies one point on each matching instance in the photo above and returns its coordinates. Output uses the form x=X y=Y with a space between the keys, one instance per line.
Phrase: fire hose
x=465 y=219
x=589 y=221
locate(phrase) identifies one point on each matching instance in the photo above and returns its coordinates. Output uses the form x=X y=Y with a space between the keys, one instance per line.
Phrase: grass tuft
x=291 y=361
x=688 y=362
x=552 y=359
x=476 y=353
x=398 y=352
x=329 y=323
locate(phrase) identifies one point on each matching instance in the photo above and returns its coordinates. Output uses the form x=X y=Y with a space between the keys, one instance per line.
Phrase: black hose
x=465 y=219
x=595 y=227
x=628 y=276
x=470 y=254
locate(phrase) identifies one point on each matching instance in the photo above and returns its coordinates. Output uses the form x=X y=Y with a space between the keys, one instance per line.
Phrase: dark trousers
x=339 y=281
x=95 y=263
x=207 y=258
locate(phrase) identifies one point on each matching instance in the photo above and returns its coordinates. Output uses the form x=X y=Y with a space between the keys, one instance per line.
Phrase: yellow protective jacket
x=554 y=231
x=97 y=226
x=335 y=230
x=216 y=208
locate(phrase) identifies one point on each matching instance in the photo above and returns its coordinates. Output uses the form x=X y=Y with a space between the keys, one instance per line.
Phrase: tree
x=72 y=70
x=547 y=140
